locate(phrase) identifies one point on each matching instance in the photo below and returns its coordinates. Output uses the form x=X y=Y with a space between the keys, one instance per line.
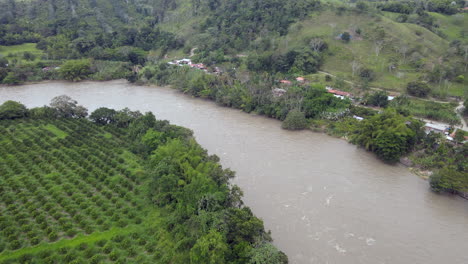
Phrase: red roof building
x=339 y=92
x=285 y=82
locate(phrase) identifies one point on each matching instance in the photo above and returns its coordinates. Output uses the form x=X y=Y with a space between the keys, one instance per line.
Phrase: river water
x=324 y=200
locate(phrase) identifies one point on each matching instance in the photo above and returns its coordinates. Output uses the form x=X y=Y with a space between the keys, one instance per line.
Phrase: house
x=337 y=93
x=358 y=117
x=184 y=61
x=200 y=66
x=300 y=79
x=286 y=82
x=436 y=128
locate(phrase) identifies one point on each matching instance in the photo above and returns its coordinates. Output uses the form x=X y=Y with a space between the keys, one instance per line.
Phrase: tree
x=418 y=89
x=317 y=44
x=389 y=135
x=103 y=116
x=210 y=249
x=267 y=254
x=75 y=70
x=345 y=37
x=3 y=62
x=12 y=110
x=11 y=78
x=449 y=179
x=3 y=74
x=67 y=107
x=29 y=56
x=379 y=99
x=295 y=120
x=367 y=75
x=378 y=46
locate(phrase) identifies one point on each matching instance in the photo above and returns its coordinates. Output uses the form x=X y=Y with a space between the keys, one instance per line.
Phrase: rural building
x=337 y=93
x=436 y=128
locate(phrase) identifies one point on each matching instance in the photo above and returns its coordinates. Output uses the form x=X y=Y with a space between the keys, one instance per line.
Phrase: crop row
x=51 y=189
x=134 y=247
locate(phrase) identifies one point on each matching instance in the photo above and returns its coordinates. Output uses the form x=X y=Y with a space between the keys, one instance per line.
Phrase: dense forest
x=119 y=187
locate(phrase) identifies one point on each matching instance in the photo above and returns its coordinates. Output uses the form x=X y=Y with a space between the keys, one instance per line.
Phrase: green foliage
x=367 y=75
x=12 y=110
x=432 y=110
x=389 y=135
x=295 y=120
x=75 y=70
x=449 y=179
x=418 y=88
x=67 y=107
x=210 y=249
x=379 y=99
x=267 y=254
x=103 y=116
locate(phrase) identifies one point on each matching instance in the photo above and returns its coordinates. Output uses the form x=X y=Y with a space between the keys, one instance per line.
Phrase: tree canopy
x=12 y=110
x=389 y=135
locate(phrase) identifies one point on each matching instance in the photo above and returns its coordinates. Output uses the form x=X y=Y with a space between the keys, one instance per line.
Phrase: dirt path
x=459 y=110
x=192 y=51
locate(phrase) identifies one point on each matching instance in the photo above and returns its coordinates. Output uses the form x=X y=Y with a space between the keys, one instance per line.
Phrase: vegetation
x=418 y=89
x=389 y=135
x=418 y=48
x=125 y=188
x=295 y=120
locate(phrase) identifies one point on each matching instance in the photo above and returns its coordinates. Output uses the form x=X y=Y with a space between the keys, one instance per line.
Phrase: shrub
x=15 y=244
x=12 y=110
x=75 y=70
x=418 y=89
x=295 y=120
x=53 y=236
x=367 y=74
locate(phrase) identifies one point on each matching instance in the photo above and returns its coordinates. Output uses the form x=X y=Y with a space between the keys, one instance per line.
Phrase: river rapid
x=325 y=200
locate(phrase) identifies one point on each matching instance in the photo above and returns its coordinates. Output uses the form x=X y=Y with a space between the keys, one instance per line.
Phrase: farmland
x=63 y=189
x=73 y=191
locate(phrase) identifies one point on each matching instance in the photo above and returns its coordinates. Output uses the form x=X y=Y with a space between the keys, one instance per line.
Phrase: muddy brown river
x=325 y=200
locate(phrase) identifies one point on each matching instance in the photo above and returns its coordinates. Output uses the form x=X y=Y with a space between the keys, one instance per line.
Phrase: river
x=325 y=200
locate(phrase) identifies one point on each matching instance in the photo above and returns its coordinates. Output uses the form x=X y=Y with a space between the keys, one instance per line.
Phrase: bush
x=75 y=70
x=379 y=99
x=12 y=110
x=295 y=120
x=367 y=75
x=418 y=89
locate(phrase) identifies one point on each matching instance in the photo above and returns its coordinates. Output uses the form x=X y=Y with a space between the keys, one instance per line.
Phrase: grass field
x=72 y=193
x=328 y=25
x=17 y=51
x=434 y=111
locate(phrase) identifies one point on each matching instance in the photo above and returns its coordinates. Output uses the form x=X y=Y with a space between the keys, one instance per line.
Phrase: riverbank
x=322 y=198
x=337 y=128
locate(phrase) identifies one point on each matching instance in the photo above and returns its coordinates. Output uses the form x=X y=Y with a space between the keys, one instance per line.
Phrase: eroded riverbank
x=324 y=199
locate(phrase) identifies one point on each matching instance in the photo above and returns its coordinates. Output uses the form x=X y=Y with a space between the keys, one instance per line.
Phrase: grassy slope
x=329 y=25
x=16 y=51
x=37 y=174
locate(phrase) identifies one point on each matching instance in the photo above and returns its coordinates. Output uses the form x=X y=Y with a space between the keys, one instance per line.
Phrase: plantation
x=73 y=191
